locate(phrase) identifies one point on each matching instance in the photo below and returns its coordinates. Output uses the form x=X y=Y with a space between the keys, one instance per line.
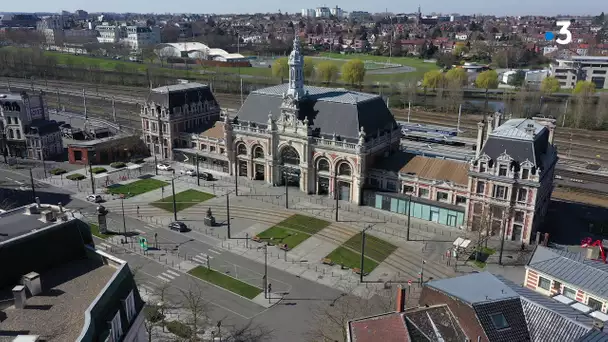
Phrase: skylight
x=499 y=320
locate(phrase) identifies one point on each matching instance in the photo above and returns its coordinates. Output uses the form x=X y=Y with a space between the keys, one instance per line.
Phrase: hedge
x=76 y=177
x=57 y=171
x=98 y=169
x=179 y=329
x=118 y=165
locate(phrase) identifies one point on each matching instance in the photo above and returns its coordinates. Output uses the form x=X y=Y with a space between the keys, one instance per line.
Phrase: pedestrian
x=137 y=211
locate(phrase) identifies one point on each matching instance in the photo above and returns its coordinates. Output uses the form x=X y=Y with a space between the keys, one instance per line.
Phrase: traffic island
x=95 y=231
x=349 y=254
x=292 y=231
x=136 y=188
x=226 y=282
x=183 y=200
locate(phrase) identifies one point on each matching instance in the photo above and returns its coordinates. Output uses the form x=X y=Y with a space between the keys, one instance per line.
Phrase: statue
x=209 y=220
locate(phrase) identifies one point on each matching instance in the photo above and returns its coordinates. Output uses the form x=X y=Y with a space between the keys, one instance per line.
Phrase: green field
x=226 y=282
x=293 y=230
x=183 y=200
x=138 y=187
x=349 y=254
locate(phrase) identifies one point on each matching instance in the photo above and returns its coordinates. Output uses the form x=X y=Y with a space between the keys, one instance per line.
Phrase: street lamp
x=265 y=277
x=409 y=216
x=124 y=221
x=173 y=193
x=363 y=252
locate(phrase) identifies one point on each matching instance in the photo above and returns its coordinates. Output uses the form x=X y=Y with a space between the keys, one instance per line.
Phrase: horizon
x=472 y=7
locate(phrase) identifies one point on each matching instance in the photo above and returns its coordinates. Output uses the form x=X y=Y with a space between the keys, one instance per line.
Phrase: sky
x=496 y=7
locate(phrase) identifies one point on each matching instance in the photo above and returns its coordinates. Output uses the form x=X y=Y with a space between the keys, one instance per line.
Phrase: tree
x=156 y=309
x=584 y=87
x=309 y=68
x=459 y=50
x=601 y=111
x=197 y=309
x=550 y=85
x=457 y=76
x=487 y=80
x=327 y=72
x=353 y=72
x=280 y=68
x=433 y=79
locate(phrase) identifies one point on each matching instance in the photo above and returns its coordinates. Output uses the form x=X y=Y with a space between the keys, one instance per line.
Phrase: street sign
x=143 y=242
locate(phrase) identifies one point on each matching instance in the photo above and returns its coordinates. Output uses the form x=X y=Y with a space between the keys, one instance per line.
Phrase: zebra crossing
x=168 y=275
x=103 y=246
x=201 y=258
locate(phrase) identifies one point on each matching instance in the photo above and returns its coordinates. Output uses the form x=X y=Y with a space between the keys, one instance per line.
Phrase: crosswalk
x=168 y=275
x=103 y=246
x=201 y=258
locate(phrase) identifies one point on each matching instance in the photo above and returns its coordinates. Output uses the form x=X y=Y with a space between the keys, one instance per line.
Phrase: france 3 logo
x=564 y=31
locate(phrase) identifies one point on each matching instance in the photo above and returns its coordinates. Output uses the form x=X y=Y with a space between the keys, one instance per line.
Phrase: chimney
x=489 y=126
x=60 y=207
x=38 y=202
x=598 y=324
x=546 y=240
x=496 y=120
x=32 y=282
x=401 y=299
x=20 y=296
x=551 y=133
x=480 y=126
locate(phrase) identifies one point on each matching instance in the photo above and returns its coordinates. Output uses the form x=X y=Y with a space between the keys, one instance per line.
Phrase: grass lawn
x=350 y=259
x=229 y=283
x=375 y=248
x=183 y=200
x=95 y=231
x=138 y=187
x=294 y=230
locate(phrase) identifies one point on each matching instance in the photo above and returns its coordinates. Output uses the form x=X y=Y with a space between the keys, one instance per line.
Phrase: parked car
x=164 y=167
x=179 y=226
x=94 y=198
x=189 y=172
x=206 y=176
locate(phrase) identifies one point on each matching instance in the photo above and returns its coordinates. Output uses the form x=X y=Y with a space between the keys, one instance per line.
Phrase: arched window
x=241 y=149
x=290 y=156
x=323 y=165
x=258 y=152
x=344 y=169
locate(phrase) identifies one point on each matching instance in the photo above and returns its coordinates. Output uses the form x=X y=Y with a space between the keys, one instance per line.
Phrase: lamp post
x=173 y=193
x=336 y=195
x=265 y=277
x=409 y=216
x=363 y=252
x=236 y=177
x=198 y=177
x=228 y=214
x=124 y=221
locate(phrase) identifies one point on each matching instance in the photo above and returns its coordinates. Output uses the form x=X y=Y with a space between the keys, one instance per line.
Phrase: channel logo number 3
x=565 y=24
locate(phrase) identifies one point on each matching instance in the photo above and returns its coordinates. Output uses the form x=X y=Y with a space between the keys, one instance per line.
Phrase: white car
x=189 y=172
x=164 y=167
x=94 y=198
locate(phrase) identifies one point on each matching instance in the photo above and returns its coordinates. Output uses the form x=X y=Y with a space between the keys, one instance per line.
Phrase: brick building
x=107 y=150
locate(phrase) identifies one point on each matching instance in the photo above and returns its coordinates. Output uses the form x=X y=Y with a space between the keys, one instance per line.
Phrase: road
x=289 y=319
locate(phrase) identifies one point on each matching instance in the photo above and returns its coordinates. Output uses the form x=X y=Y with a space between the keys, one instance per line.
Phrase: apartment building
x=577 y=280
x=581 y=68
x=322 y=12
x=111 y=34
x=26 y=130
x=139 y=37
x=308 y=13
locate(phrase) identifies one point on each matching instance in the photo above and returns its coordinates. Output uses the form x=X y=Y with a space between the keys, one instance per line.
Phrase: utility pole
x=241 y=92
x=336 y=194
x=236 y=178
x=84 y=101
x=286 y=189
x=33 y=188
x=228 y=214
x=409 y=217
x=155 y=165
x=124 y=221
x=458 y=123
x=265 y=278
x=198 y=177
x=174 y=204
x=92 y=179
x=409 y=111
x=58 y=102
x=362 y=255
x=113 y=109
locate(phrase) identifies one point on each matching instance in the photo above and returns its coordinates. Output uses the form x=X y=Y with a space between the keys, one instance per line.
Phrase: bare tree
x=249 y=332
x=197 y=309
x=157 y=308
x=330 y=319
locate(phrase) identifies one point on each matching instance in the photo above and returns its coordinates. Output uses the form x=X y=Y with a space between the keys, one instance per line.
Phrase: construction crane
x=588 y=242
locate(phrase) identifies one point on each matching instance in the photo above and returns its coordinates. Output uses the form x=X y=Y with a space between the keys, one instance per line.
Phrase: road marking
x=101 y=247
x=105 y=245
x=165 y=274
x=216 y=252
x=16 y=181
x=199 y=259
x=163 y=278
x=173 y=272
x=140 y=231
x=148 y=290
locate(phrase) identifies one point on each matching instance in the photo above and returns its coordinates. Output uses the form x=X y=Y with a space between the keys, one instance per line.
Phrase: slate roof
x=594 y=336
x=512 y=138
x=486 y=288
x=328 y=110
x=177 y=95
x=572 y=268
x=42 y=127
x=512 y=311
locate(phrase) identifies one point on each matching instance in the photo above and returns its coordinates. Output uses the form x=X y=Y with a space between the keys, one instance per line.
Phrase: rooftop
x=179 y=87
x=5 y=95
x=518 y=129
x=18 y=222
x=426 y=168
x=339 y=95
x=573 y=269
x=57 y=314
x=487 y=288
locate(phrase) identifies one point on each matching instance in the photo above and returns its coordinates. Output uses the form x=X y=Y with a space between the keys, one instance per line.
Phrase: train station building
x=343 y=143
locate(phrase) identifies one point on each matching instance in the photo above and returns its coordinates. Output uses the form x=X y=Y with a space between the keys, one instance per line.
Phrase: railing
x=335 y=143
x=243 y=128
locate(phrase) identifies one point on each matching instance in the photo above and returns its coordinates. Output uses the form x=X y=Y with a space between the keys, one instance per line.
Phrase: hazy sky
x=498 y=7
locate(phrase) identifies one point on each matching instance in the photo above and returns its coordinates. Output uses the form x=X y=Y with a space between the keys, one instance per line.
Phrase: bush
x=98 y=169
x=118 y=165
x=58 y=171
x=76 y=177
x=153 y=314
x=179 y=329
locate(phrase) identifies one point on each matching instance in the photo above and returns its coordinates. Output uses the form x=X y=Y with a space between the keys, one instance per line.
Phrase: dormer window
x=525 y=173
x=482 y=167
x=499 y=321
x=502 y=170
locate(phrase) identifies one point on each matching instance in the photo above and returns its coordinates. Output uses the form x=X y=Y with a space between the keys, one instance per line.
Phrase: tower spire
x=296 y=71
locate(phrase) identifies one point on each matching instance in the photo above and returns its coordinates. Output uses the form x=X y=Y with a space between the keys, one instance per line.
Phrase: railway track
x=581 y=177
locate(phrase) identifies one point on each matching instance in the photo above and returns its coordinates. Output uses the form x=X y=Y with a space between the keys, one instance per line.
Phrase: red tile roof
x=388 y=327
